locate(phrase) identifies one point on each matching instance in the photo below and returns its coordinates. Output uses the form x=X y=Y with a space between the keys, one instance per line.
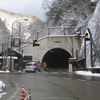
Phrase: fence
x=52 y=31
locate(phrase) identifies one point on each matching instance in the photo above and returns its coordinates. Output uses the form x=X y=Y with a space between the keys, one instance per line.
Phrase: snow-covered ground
x=88 y=73
x=2 y=85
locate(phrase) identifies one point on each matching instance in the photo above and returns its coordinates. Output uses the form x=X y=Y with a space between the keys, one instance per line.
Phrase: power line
x=27 y=7
x=33 y=6
x=38 y=12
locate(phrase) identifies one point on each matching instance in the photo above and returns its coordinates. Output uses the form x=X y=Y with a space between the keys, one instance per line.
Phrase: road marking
x=52 y=77
x=66 y=78
x=81 y=80
x=96 y=81
x=55 y=72
x=65 y=73
x=54 y=98
x=14 y=95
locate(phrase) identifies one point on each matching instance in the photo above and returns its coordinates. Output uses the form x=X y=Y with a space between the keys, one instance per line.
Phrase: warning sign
x=70 y=67
x=16 y=42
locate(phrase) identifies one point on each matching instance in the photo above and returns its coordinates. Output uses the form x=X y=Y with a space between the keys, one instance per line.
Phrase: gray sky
x=28 y=7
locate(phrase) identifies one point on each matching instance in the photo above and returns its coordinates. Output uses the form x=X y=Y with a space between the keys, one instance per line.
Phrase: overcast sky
x=28 y=7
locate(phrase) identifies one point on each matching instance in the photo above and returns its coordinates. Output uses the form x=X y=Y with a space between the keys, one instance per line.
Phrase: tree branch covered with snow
x=68 y=11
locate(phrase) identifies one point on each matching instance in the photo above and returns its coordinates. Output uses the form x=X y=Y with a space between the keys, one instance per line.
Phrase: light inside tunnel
x=56 y=58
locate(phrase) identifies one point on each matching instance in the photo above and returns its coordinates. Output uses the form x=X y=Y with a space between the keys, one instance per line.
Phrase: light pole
x=12 y=41
x=13 y=25
x=3 y=51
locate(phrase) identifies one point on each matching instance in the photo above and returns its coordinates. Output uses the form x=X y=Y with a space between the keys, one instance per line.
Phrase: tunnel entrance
x=56 y=58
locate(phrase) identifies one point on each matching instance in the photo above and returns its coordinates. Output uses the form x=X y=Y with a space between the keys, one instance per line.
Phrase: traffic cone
x=29 y=93
x=22 y=94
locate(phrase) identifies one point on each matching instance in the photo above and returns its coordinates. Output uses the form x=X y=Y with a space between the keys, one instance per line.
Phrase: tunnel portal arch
x=56 y=58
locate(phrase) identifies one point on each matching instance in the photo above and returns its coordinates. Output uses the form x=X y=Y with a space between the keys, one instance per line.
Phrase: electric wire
x=30 y=7
x=27 y=7
x=28 y=10
x=38 y=12
x=33 y=7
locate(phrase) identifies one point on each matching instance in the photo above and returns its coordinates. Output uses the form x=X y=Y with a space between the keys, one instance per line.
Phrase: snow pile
x=2 y=85
x=88 y=73
x=1 y=94
x=7 y=71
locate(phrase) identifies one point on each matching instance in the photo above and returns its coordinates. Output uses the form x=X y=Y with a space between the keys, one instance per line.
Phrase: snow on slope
x=27 y=27
x=94 y=26
x=10 y=18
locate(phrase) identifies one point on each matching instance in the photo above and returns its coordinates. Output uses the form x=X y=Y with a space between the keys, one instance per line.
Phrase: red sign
x=16 y=42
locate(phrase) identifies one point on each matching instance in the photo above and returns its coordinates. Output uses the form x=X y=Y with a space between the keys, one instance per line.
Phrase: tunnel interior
x=56 y=58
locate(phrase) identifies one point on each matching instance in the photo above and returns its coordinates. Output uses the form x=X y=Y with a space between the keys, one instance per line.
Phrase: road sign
x=70 y=67
x=10 y=50
x=16 y=42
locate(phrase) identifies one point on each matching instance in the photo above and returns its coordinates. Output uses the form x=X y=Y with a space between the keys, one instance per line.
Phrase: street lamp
x=12 y=40
x=14 y=23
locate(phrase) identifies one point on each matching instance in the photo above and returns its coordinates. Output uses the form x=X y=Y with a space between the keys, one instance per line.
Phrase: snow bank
x=7 y=71
x=88 y=73
x=2 y=85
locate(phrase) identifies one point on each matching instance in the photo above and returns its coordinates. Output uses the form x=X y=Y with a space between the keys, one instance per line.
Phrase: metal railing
x=55 y=31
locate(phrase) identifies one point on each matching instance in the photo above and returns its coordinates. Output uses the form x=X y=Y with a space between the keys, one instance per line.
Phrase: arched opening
x=57 y=58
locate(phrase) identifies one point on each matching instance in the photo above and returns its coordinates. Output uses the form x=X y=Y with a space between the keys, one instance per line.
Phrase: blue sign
x=10 y=50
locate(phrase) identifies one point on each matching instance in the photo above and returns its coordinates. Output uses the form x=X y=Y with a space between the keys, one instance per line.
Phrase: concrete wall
x=68 y=43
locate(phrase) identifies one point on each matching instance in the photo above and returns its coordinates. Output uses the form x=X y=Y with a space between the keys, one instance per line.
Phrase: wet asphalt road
x=52 y=86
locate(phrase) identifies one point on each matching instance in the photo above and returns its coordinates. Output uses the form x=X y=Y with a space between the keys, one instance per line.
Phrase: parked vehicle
x=32 y=67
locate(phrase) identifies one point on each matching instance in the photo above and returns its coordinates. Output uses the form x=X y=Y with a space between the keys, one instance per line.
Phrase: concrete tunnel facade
x=56 y=58
x=54 y=50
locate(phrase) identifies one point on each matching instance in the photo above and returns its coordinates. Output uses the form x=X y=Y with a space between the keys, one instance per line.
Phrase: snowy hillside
x=27 y=29
x=92 y=47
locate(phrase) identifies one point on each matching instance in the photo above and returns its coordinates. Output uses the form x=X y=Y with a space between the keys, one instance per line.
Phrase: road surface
x=52 y=86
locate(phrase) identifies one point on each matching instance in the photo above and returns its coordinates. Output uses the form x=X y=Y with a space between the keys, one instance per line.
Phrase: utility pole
x=4 y=51
x=19 y=32
x=93 y=49
x=84 y=54
x=12 y=41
